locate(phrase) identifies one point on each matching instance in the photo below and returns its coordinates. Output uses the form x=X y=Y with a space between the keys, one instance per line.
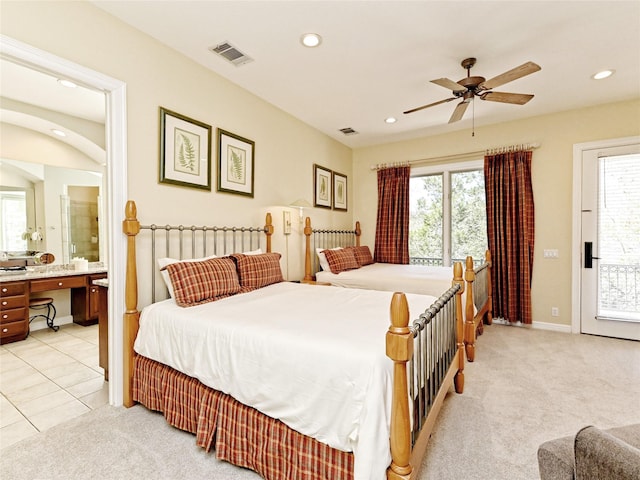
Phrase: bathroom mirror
x=52 y=209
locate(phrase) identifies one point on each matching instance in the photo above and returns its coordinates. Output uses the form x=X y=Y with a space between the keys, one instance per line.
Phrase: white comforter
x=311 y=356
x=393 y=277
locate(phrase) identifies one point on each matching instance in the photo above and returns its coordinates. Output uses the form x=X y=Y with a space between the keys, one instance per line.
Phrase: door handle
x=588 y=255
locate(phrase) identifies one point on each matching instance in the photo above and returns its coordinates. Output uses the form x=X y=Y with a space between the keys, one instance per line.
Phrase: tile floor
x=49 y=378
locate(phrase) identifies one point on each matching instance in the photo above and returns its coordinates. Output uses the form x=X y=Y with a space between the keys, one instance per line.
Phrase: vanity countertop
x=47 y=272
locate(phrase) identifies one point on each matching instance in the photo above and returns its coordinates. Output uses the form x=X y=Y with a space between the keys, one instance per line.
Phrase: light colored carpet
x=525 y=387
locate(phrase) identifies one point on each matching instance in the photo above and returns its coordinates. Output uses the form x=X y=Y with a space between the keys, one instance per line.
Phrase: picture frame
x=236 y=160
x=185 y=151
x=322 y=187
x=339 y=192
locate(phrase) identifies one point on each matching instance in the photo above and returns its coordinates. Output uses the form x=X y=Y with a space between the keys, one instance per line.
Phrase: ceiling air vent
x=348 y=131
x=231 y=53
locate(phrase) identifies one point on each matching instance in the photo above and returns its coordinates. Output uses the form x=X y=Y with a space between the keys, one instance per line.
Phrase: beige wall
x=552 y=182
x=285 y=148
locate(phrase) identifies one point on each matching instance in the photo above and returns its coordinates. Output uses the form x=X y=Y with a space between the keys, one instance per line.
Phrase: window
x=13 y=205
x=448 y=214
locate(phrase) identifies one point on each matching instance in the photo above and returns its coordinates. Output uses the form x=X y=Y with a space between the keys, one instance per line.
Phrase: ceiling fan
x=470 y=87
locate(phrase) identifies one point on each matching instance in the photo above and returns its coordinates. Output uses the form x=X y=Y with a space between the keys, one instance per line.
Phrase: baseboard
x=41 y=323
x=556 y=327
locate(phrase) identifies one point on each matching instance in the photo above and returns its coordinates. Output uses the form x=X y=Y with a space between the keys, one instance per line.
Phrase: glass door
x=610 y=274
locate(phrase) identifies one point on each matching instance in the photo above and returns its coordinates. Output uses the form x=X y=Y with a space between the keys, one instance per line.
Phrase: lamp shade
x=301 y=203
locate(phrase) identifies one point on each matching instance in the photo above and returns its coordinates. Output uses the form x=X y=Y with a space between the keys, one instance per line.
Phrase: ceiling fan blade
x=513 y=74
x=430 y=105
x=449 y=84
x=458 y=113
x=516 y=98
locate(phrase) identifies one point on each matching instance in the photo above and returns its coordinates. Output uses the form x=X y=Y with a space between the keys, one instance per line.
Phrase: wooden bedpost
x=358 y=234
x=489 y=314
x=399 y=344
x=268 y=231
x=469 y=314
x=457 y=279
x=131 y=228
x=308 y=277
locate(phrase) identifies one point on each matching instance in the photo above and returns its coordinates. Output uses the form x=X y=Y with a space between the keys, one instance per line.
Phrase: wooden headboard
x=325 y=238
x=183 y=242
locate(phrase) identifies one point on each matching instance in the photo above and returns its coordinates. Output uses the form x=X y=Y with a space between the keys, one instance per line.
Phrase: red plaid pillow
x=258 y=271
x=363 y=255
x=201 y=282
x=341 y=260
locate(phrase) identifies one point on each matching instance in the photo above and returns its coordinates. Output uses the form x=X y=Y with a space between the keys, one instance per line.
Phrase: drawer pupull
x=4 y=290
x=5 y=330
x=5 y=316
x=59 y=284
x=5 y=303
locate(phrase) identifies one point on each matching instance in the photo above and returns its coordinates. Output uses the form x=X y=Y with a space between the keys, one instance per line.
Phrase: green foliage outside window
x=468 y=229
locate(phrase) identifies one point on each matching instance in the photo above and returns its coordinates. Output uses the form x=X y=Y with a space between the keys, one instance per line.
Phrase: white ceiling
x=377 y=57
x=37 y=101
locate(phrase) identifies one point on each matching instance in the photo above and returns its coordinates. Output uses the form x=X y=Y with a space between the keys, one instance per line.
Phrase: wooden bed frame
x=482 y=299
x=407 y=446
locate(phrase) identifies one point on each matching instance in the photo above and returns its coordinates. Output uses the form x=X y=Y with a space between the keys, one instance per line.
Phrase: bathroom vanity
x=16 y=288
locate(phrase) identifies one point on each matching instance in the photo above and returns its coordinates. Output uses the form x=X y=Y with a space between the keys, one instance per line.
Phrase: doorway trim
x=116 y=150
x=576 y=250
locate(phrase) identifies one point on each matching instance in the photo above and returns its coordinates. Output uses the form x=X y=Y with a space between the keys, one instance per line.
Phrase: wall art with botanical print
x=339 y=191
x=185 y=151
x=322 y=187
x=235 y=163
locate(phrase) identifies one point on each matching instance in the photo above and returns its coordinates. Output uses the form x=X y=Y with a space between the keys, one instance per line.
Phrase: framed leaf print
x=235 y=163
x=339 y=191
x=321 y=187
x=185 y=151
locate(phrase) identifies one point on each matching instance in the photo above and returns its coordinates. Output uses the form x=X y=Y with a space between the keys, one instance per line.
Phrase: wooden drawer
x=10 y=289
x=14 y=329
x=58 y=283
x=7 y=303
x=13 y=315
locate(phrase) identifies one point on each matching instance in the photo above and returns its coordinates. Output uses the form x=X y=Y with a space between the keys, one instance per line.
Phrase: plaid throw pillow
x=201 y=282
x=257 y=271
x=341 y=260
x=363 y=255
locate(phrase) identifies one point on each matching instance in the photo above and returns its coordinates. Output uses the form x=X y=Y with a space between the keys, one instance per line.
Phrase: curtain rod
x=458 y=156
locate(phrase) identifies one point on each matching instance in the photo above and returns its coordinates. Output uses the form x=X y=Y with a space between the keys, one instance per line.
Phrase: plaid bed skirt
x=242 y=435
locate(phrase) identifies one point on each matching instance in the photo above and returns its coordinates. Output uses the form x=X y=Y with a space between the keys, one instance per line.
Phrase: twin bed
x=292 y=380
x=362 y=272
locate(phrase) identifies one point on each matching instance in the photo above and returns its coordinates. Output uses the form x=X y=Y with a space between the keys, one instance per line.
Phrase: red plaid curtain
x=510 y=227
x=392 y=226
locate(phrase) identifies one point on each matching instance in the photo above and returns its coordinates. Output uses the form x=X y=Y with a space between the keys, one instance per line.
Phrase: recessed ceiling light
x=390 y=120
x=603 y=74
x=66 y=83
x=59 y=133
x=311 y=40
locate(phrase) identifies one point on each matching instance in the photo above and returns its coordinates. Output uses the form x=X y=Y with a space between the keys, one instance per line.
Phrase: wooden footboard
x=428 y=356
x=479 y=302
x=433 y=348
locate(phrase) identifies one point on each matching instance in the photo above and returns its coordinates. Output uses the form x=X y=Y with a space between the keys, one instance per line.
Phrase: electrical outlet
x=550 y=253
x=555 y=312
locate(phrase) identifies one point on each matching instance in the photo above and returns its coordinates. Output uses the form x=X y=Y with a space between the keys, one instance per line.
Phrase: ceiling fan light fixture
x=603 y=74
x=311 y=40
